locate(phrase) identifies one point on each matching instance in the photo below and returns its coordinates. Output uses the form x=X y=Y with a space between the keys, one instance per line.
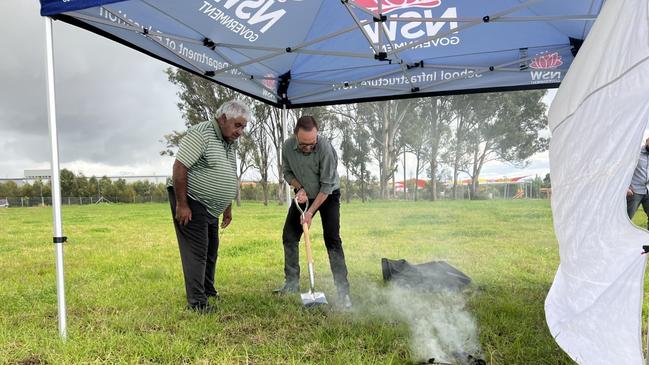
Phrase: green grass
x=125 y=291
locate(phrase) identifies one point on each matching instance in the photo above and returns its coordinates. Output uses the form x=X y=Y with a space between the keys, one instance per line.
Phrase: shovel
x=312 y=298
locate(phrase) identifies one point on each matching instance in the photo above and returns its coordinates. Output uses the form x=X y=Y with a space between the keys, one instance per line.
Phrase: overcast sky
x=113 y=104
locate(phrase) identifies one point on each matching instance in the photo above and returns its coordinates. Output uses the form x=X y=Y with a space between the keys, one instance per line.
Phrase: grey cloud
x=113 y=104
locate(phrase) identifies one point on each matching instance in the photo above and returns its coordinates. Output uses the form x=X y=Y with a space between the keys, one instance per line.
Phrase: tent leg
x=287 y=186
x=56 y=186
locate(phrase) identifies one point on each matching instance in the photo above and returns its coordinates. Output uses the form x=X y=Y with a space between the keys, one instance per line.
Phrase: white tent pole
x=284 y=134
x=56 y=186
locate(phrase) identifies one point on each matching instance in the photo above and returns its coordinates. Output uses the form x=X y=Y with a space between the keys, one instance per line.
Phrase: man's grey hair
x=234 y=109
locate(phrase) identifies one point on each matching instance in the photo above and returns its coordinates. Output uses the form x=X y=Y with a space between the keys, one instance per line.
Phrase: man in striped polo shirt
x=310 y=166
x=203 y=186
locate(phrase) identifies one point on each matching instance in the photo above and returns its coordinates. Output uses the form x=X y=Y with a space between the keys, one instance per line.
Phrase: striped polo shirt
x=211 y=164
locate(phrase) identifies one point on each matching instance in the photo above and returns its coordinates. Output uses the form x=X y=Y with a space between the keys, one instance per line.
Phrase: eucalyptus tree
x=466 y=114
x=262 y=151
x=199 y=101
x=354 y=145
x=384 y=120
x=437 y=114
x=504 y=127
x=245 y=150
x=508 y=128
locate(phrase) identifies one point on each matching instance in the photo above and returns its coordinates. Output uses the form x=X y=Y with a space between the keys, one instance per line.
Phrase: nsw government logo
x=270 y=83
x=403 y=26
x=544 y=67
x=388 y=6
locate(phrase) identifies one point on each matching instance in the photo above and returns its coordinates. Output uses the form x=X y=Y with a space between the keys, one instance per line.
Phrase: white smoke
x=440 y=325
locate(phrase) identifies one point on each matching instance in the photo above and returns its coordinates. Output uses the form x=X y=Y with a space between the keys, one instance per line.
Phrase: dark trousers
x=634 y=201
x=330 y=216
x=199 y=245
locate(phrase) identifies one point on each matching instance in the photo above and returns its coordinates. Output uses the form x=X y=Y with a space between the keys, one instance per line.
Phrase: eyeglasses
x=307 y=145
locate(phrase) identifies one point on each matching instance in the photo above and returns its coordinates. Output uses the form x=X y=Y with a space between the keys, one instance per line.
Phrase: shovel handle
x=307 y=243
x=305 y=228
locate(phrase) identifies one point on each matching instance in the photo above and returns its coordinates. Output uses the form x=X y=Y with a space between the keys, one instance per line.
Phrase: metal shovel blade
x=313 y=299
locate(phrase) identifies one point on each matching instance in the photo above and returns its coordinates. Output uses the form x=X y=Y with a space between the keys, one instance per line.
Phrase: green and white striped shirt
x=211 y=165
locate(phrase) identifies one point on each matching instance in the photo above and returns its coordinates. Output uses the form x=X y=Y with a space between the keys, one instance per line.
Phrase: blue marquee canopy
x=298 y=53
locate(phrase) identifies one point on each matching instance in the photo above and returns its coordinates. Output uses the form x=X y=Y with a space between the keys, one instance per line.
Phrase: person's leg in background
x=632 y=204
x=645 y=206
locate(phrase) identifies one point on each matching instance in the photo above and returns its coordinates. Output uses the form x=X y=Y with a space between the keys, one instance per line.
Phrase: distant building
x=43 y=174
x=410 y=183
x=248 y=183
x=18 y=180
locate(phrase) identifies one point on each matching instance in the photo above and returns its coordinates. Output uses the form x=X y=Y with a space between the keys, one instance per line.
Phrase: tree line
x=81 y=186
x=449 y=136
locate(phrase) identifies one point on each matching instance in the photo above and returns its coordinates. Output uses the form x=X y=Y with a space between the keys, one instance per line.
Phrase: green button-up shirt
x=316 y=171
x=211 y=165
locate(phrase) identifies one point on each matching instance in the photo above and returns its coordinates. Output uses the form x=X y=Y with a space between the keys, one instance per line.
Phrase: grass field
x=126 y=297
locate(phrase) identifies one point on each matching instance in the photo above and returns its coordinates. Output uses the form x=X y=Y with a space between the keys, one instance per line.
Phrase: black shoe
x=202 y=308
x=344 y=299
x=288 y=287
x=214 y=295
x=346 y=302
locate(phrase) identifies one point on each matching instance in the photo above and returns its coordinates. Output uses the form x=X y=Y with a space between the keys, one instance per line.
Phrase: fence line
x=81 y=200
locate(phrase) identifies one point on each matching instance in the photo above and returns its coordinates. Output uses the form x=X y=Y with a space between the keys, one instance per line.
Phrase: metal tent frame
x=265 y=82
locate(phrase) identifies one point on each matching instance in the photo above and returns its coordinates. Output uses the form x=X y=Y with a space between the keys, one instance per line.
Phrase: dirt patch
x=31 y=360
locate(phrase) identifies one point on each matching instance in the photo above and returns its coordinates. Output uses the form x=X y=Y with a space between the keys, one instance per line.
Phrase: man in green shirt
x=310 y=166
x=203 y=186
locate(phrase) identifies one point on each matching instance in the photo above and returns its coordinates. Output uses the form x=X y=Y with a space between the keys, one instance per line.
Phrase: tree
x=269 y=120
x=82 y=185
x=119 y=191
x=93 y=186
x=354 y=146
x=419 y=136
x=383 y=120
x=261 y=153
x=66 y=178
x=28 y=190
x=199 y=101
x=436 y=112
x=327 y=119
x=37 y=190
x=465 y=112
x=9 y=189
x=142 y=189
x=507 y=130
x=245 y=150
x=106 y=188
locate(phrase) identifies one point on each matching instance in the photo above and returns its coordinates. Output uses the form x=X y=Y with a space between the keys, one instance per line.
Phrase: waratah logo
x=546 y=61
x=269 y=81
x=391 y=5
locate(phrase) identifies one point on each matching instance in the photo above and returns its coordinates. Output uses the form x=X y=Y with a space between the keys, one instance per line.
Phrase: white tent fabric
x=594 y=306
x=597 y=121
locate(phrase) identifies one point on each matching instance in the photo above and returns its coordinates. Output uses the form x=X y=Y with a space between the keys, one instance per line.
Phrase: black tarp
x=434 y=275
